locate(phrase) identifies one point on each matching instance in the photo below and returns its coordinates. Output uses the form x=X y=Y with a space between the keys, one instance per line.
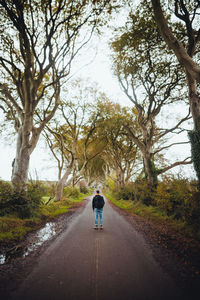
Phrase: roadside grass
x=54 y=209
x=138 y=208
x=14 y=229
x=155 y=215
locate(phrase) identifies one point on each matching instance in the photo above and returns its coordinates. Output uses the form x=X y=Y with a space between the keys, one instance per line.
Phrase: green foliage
x=192 y=209
x=84 y=189
x=110 y=184
x=5 y=196
x=12 y=228
x=177 y=198
x=24 y=204
x=125 y=193
x=139 y=191
x=138 y=208
x=71 y=192
x=143 y=192
x=176 y=201
x=54 y=209
x=154 y=171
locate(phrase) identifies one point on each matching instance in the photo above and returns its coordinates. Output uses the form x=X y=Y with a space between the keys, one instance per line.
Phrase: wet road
x=83 y=263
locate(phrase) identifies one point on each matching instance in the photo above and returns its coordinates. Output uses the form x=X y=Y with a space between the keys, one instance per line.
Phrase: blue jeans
x=98 y=212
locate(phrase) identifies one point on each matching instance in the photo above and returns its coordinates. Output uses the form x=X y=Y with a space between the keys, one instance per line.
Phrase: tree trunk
x=120 y=178
x=77 y=175
x=150 y=171
x=194 y=101
x=20 y=164
x=194 y=135
x=62 y=181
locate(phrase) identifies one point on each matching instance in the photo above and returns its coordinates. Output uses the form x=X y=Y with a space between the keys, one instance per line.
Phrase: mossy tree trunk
x=150 y=171
x=194 y=135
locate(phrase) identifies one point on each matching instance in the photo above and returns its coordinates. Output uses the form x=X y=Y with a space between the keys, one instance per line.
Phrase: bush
x=6 y=192
x=192 y=210
x=138 y=191
x=110 y=184
x=71 y=192
x=25 y=204
x=84 y=190
x=49 y=188
x=179 y=198
x=143 y=193
x=163 y=198
x=125 y=193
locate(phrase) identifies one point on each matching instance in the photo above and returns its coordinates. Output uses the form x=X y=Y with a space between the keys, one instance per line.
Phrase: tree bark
x=194 y=101
x=194 y=135
x=150 y=170
x=62 y=181
x=21 y=163
x=120 y=178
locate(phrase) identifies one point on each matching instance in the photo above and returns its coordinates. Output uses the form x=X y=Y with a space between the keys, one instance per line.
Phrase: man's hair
x=97 y=191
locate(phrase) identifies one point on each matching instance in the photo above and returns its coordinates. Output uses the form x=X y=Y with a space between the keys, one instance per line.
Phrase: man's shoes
x=96 y=227
x=101 y=227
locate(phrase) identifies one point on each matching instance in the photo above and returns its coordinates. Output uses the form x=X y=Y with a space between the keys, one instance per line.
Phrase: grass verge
x=155 y=215
x=14 y=229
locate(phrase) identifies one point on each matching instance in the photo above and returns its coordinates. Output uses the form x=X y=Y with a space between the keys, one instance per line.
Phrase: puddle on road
x=43 y=235
x=2 y=259
x=39 y=238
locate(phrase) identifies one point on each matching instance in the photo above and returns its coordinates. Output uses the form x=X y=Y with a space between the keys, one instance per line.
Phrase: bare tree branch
x=183 y=162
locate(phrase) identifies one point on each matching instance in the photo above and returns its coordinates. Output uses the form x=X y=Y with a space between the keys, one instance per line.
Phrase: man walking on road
x=97 y=205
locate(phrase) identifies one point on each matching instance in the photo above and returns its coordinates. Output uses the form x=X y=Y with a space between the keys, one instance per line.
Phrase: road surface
x=85 y=264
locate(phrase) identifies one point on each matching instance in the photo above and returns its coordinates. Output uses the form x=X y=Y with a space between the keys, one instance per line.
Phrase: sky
x=42 y=165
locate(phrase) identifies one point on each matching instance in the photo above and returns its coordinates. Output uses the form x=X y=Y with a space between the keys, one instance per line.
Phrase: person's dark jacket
x=98 y=202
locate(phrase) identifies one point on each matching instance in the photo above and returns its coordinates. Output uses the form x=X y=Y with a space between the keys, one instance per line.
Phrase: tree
x=120 y=153
x=74 y=134
x=150 y=81
x=95 y=170
x=186 y=51
x=38 y=44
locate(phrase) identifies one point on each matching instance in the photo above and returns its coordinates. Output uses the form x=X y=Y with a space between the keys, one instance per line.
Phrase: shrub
x=178 y=197
x=25 y=204
x=144 y=193
x=110 y=184
x=125 y=193
x=192 y=210
x=5 y=196
x=84 y=189
x=71 y=192
x=163 y=198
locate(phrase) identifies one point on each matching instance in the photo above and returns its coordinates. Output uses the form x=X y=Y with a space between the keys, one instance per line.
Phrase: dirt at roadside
x=177 y=254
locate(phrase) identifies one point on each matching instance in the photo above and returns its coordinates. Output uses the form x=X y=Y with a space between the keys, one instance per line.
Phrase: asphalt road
x=112 y=264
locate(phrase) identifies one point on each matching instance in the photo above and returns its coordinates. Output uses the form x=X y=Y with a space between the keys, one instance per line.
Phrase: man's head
x=97 y=192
